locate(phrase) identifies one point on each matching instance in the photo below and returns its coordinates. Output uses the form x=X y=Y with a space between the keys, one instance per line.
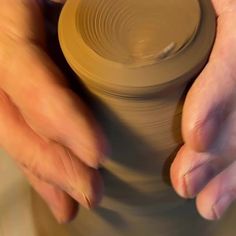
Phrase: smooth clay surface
x=137 y=58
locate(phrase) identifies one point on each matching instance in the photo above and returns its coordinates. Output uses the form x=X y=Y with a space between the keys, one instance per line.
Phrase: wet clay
x=137 y=37
x=137 y=58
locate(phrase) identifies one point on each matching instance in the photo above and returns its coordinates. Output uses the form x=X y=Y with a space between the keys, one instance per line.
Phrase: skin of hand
x=47 y=135
x=44 y=126
x=205 y=166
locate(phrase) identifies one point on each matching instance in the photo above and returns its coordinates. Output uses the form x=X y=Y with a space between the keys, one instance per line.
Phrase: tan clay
x=137 y=58
x=122 y=31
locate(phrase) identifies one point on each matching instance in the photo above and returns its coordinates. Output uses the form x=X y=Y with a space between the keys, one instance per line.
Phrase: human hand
x=205 y=166
x=44 y=126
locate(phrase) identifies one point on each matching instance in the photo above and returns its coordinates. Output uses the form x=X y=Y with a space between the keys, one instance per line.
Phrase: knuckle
x=196 y=131
x=196 y=136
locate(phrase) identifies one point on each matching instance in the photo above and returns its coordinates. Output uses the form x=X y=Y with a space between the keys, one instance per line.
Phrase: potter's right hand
x=44 y=126
x=205 y=166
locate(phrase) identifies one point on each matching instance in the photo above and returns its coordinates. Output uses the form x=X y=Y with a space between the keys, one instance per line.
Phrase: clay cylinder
x=138 y=59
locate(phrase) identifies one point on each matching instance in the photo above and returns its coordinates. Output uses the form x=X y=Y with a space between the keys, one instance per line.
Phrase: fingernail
x=83 y=199
x=193 y=183
x=197 y=178
x=87 y=201
x=221 y=206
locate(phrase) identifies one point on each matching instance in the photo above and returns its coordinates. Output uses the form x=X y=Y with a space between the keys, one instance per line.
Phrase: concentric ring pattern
x=137 y=32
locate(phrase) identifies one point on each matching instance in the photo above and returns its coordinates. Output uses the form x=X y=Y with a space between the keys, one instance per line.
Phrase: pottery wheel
x=137 y=58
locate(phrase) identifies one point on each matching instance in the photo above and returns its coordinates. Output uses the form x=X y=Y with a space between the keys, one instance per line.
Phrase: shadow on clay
x=130 y=156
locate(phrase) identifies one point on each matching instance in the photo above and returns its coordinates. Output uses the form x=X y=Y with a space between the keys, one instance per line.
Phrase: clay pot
x=138 y=59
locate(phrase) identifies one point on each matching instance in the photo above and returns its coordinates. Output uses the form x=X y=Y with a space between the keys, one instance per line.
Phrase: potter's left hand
x=205 y=166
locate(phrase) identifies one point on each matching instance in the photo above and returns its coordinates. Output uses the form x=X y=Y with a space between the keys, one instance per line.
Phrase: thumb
x=208 y=101
x=207 y=105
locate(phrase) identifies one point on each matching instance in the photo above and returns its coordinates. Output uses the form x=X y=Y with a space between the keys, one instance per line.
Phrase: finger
x=63 y=207
x=52 y=109
x=48 y=161
x=191 y=171
x=218 y=195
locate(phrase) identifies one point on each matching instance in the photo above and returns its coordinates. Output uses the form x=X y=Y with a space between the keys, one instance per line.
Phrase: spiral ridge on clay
x=137 y=32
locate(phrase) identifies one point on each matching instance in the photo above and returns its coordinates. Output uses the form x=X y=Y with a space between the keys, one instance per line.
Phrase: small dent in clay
x=167 y=51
